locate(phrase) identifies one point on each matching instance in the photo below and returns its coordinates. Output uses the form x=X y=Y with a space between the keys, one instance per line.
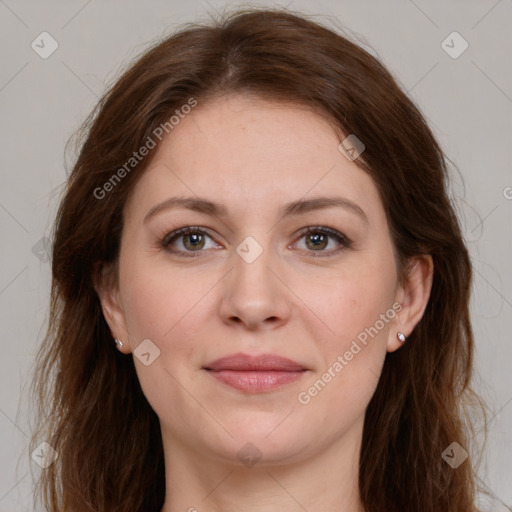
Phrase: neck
x=327 y=480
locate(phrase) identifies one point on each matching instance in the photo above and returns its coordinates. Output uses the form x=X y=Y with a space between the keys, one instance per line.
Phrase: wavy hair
x=91 y=408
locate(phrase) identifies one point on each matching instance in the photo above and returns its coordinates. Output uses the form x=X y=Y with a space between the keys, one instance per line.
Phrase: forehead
x=247 y=151
x=246 y=133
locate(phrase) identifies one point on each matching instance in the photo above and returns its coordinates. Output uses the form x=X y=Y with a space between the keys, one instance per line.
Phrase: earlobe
x=414 y=297
x=108 y=294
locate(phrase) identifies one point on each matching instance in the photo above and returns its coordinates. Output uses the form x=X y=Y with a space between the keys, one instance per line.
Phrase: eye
x=318 y=239
x=188 y=240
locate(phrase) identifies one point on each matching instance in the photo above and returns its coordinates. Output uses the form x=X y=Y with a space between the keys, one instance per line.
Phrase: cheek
x=163 y=307
x=356 y=306
x=157 y=300
x=150 y=307
x=361 y=310
x=170 y=308
x=338 y=393
x=352 y=300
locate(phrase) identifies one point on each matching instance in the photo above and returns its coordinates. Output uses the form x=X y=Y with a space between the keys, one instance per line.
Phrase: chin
x=257 y=441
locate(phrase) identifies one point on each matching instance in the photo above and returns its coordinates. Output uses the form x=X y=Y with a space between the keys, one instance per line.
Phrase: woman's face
x=247 y=278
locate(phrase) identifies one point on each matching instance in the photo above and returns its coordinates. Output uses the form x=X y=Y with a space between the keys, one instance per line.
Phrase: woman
x=260 y=288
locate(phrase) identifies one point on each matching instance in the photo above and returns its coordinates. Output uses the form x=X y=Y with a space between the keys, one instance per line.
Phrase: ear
x=413 y=296
x=107 y=288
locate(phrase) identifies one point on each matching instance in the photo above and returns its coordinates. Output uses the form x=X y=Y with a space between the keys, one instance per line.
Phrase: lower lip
x=256 y=381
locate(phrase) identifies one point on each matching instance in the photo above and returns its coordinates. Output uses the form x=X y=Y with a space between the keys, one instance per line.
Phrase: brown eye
x=193 y=241
x=318 y=239
x=188 y=240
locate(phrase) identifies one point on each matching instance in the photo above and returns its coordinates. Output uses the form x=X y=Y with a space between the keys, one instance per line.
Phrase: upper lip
x=263 y=362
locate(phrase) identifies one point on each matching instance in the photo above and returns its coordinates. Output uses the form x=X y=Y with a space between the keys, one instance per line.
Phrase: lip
x=255 y=374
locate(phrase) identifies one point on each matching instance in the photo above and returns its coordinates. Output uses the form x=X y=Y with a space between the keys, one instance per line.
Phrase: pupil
x=194 y=239
x=317 y=239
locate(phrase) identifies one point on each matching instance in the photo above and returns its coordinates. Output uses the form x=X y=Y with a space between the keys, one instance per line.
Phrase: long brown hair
x=91 y=407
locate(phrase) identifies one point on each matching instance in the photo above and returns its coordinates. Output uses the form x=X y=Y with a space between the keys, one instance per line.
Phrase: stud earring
x=400 y=336
x=119 y=343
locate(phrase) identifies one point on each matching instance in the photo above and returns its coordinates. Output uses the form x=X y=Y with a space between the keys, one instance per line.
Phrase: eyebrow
x=214 y=209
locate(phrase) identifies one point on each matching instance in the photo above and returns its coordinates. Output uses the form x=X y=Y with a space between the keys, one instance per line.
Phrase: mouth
x=255 y=374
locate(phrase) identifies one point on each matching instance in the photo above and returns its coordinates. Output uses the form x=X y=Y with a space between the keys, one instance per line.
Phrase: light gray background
x=468 y=101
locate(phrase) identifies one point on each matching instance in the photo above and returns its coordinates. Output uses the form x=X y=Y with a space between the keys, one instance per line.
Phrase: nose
x=254 y=296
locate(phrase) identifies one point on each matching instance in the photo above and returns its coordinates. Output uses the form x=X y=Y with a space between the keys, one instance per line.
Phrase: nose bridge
x=253 y=294
x=251 y=265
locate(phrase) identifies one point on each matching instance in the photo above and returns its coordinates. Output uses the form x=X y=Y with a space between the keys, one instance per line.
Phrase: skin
x=293 y=300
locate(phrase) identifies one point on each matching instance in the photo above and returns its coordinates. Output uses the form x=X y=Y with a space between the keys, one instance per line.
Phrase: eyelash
x=339 y=237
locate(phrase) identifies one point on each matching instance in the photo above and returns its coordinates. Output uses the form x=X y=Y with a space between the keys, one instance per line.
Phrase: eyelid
x=341 y=238
x=183 y=231
x=326 y=230
x=180 y=232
